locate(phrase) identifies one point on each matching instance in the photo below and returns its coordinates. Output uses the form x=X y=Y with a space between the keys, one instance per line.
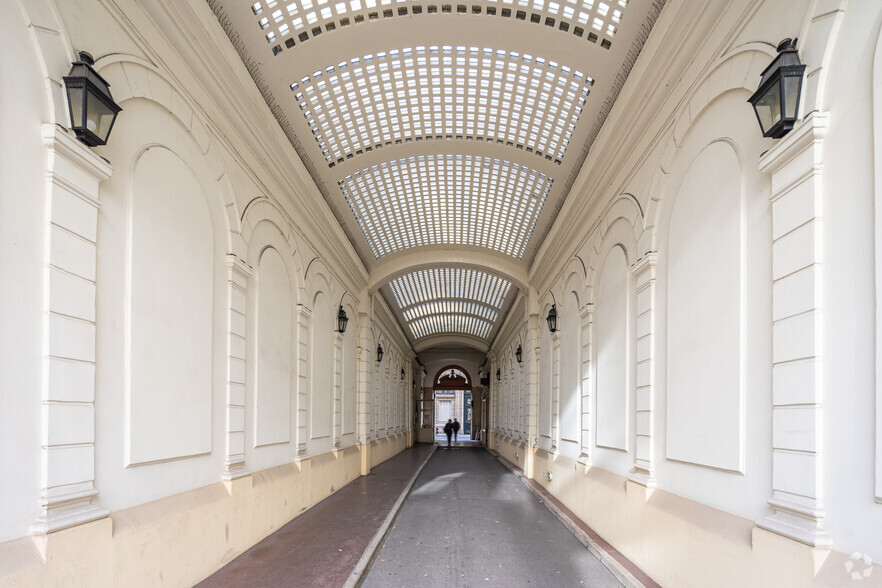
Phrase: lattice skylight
x=447 y=199
x=450 y=300
x=443 y=92
x=291 y=23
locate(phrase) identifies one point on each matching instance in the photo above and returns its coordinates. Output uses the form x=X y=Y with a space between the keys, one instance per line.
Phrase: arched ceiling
x=441 y=131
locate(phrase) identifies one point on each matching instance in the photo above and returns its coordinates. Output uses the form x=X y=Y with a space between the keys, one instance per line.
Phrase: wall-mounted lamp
x=342 y=319
x=519 y=354
x=402 y=373
x=379 y=353
x=92 y=109
x=498 y=375
x=776 y=101
x=551 y=319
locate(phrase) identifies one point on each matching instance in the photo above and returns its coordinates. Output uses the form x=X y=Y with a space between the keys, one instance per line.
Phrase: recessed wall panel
x=704 y=408
x=322 y=394
x=272 y=393
x=570 y=394
x=611 y=328
x=170 y=313
x=545 y=385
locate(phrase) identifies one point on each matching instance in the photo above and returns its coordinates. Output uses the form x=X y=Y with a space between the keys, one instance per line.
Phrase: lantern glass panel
x=791 y=95
x=768 y=107
x=99 y=116
x=75 y=96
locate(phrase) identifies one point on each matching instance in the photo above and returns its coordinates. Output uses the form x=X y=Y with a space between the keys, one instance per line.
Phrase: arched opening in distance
x=452 y=389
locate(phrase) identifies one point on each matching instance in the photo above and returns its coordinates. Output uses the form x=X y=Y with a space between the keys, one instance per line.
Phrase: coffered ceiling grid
x=443 y=92
x=284 y=25
x=447 y=199
x=445 y=126
x=450 y=300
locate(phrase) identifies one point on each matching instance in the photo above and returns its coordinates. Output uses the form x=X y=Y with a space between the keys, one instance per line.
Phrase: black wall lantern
x=92 y=109
x=519 y=354
x=776 y=101
x=342 y=320
x=498 y=375
x=402 y=373
x=552 y=315
x=379 y=353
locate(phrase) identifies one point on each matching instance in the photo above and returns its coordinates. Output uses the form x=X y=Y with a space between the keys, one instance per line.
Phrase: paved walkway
x=322 y=546
x=470 y=522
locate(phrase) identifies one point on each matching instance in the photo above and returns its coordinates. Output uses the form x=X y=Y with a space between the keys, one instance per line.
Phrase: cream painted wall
x=22 y=209
x=710 y=412
x=698 y=132
x=171 y=394
x=850 y=385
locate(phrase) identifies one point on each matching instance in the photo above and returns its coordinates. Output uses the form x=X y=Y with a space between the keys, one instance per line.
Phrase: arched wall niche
x=272 y=368
x=321 y=403
x=702 y=408
x=134 y=78
x=193 y=169
x=271 y=330
x=614 y=401
x=260 y=214
x=738 y=70
x=169 y=329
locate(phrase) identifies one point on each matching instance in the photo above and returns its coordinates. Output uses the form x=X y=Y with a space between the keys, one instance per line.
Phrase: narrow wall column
x=643 y=273
x=238 y=274
x=587 y=325
x=68 y=382
x=338 y=388
x=304 y=318
x=555 y=390
x=795 y=165
x=365 y=355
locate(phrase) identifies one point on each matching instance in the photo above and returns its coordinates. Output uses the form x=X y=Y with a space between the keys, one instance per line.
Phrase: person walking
x=455 y=430
x=448 y=430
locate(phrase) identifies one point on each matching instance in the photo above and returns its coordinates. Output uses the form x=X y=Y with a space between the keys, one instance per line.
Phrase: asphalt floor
x=470 y=522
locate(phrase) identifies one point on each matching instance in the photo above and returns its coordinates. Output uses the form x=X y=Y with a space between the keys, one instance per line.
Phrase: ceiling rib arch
x=415 y=259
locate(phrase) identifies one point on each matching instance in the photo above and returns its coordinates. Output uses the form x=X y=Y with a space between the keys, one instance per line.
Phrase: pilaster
x=555 y=390
x=363 y=385
x=795 y=165
x=586 y=323
x=304 y=321
x=74 y=174
x=238 y=273
x=338 y=388
x=532 y=377
x=643 y=274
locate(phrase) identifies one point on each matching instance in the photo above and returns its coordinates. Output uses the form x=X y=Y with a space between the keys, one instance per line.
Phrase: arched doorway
x=452 y=389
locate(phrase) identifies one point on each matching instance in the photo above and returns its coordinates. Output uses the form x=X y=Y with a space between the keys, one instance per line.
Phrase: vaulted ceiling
x=444 y=136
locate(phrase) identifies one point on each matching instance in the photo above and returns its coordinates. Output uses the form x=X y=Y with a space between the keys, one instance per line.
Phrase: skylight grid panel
x=446 y=117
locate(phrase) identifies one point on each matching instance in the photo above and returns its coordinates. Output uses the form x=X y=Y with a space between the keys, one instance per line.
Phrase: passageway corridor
x=631 y=248
x=471 y=522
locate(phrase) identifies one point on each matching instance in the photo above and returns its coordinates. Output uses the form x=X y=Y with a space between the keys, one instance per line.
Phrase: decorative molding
x=795 y=165
x=73 y=176
x=643 y=272
x=238 y=274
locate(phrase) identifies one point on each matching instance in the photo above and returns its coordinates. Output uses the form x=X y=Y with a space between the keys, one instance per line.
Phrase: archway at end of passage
x=452 y=391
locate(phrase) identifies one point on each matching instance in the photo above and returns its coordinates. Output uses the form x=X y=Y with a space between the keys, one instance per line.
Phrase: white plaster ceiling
x=441 y=128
